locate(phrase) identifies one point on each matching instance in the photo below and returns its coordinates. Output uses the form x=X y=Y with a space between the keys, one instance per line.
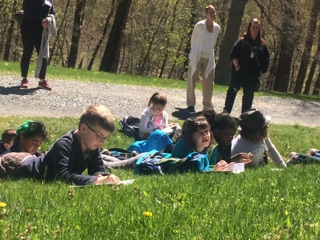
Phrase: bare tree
x=232 y=32
x=58 y=38
x=10 y=34
x=166 y=54
x=314 y=64
x=282 y=79
x=307 y=47
x=103 y=36
x=191 y=22
x=76 y=32
x=110 y=58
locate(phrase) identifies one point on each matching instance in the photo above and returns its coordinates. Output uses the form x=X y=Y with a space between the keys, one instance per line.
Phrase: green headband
x=24 y=127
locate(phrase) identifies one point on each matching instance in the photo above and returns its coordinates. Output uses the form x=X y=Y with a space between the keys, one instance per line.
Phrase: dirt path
x=68 y=98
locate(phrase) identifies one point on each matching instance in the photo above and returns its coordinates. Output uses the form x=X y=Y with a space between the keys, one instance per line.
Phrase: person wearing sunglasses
x=71 y=155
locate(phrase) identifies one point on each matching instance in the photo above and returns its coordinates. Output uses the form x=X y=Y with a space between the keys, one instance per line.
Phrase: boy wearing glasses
x=72 y=154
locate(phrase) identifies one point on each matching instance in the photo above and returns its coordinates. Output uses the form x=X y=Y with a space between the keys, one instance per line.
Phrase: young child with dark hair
x=30 y=135
x=7 y=138
x=155 y=117
x=71 y=155
x=254 y=138
x=223 y=128
x=196 y=137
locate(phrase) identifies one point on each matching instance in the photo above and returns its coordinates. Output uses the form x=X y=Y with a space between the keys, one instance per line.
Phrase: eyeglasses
x=98 y=136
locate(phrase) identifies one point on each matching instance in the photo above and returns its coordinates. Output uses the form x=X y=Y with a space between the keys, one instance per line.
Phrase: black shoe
x=191 y=109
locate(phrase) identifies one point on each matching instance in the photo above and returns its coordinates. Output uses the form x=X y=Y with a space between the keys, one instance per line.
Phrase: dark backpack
x=130 y=127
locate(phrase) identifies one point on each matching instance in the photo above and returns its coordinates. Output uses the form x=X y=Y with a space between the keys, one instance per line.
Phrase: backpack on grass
x=162 y=163
x=130 y=127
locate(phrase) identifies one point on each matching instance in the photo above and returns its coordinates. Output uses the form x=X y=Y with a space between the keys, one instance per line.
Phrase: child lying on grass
x=70 y=155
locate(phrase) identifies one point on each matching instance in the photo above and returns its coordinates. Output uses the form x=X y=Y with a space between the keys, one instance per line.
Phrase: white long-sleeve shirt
x=257 y=148
x=197 y=39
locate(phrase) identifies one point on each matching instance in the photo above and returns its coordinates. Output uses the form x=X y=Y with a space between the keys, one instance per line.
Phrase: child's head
x=157 y=103
x=223 y=127
x=95 y=125
x=8 y=136
x=196 y=133
x=254 y=125
x=30 y=135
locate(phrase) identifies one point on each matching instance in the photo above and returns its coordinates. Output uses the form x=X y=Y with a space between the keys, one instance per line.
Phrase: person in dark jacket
x=71 y=155
x=250 y=58
x=33 y=22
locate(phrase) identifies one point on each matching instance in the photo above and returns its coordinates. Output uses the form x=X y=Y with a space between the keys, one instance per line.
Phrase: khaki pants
x=207 y=85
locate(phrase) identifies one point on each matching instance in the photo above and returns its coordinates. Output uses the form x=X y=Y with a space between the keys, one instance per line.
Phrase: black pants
x=248 y=83
x=31 y=38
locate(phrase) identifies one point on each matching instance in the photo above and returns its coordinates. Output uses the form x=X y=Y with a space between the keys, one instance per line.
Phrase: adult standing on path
x=33 y=23
x=201 y=59
x=250 y=58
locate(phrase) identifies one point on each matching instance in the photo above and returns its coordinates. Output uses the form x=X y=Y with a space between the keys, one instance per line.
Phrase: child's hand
x=242 y=157
x=109 y=179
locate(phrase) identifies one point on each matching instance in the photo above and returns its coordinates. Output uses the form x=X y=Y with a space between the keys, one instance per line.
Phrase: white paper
x=237 y=168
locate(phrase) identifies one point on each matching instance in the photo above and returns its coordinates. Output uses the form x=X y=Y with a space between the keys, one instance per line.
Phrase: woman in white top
x=254 y=138
x=201 y=59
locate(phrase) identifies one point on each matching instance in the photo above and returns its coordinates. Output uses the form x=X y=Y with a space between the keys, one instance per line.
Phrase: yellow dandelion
x=147 y=214
x=3 y=204
x=29 y=210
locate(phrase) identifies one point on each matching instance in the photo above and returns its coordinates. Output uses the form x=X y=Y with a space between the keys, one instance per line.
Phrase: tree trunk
x=76 y=32
x=103 y=36
x=316 y=89
x=176 y=57
x=189 y=33
x=316 y=61
x=10 y=34
x=151 y=40
x=110 y=58
x=307 y=47
x=59 y=29
x=173 y=21
x=232 y=33
x=282 y=79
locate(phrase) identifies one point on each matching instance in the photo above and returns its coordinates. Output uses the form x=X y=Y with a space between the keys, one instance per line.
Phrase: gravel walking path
x=69 y=98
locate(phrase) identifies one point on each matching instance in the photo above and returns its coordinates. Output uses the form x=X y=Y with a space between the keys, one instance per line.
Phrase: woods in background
x=152 y=37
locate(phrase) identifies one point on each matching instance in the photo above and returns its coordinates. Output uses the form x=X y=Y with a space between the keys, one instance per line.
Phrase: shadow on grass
x=17 y=90
x=184 y=114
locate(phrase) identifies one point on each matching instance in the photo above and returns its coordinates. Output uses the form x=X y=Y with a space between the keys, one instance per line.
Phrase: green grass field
x=267 y=203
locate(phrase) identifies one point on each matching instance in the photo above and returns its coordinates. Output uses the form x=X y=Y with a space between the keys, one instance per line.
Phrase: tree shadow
x=17 y=90
x=184 y=114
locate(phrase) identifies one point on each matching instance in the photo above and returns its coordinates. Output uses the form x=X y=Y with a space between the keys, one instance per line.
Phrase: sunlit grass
x=263 y=203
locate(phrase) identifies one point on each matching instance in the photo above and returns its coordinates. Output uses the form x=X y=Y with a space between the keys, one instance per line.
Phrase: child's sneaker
x=24 y=83
x=44 y=85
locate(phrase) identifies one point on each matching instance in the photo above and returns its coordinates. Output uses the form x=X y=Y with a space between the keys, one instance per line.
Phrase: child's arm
x=274 y=154
x=143 y=126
